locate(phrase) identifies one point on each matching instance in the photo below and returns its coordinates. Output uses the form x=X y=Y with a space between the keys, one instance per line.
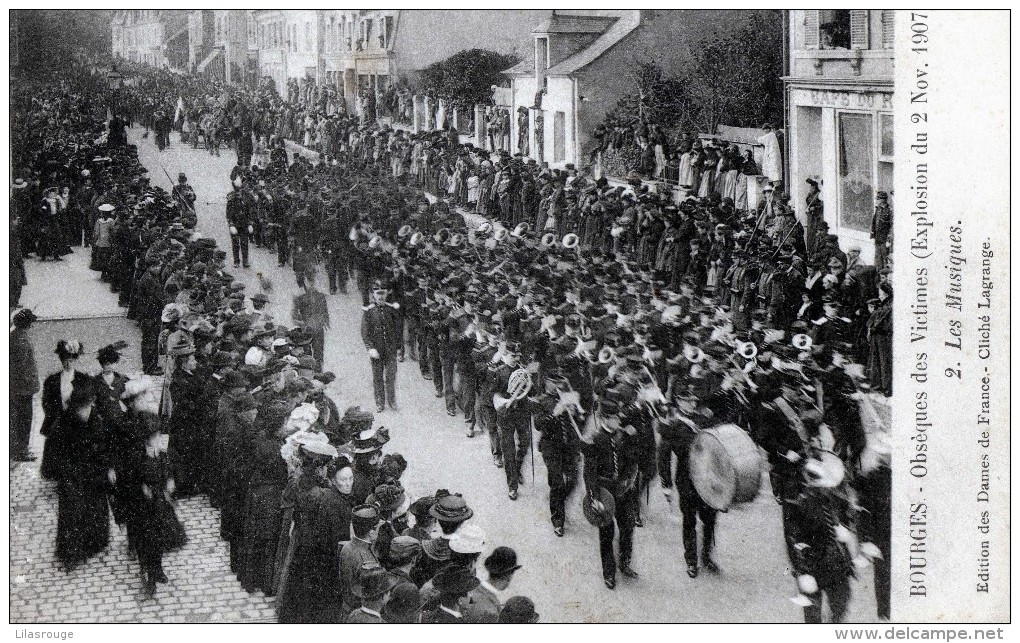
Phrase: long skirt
x=83 y=517
x=262 y=517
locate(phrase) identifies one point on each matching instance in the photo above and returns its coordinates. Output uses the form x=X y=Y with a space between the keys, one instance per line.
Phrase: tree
x=467 y=77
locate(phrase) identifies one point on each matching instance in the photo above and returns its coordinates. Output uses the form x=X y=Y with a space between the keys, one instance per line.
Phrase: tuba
x=570 y=241
x=520 y=384
x=548 y=240
x=405 y=230
x=521 y=229
x=501 y=235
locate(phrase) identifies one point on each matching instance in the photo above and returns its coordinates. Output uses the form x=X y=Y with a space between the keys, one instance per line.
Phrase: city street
x=561 y=575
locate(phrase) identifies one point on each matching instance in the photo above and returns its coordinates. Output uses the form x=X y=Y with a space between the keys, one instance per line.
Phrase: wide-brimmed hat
x=452 y=508
x=469 y=539
x=366 y=442
x=599 y=517
x=455 y=580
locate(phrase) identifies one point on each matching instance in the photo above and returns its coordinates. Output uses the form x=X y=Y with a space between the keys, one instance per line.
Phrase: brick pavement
x=108 y=588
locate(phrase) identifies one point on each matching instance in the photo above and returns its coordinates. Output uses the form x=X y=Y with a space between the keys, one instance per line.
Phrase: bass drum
x=725 y=466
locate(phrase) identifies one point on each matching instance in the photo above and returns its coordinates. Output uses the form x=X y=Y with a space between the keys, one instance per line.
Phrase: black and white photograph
x=496 y=316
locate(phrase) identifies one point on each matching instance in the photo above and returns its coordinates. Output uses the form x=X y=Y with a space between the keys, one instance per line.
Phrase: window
x=834 y=28
x=856 y=170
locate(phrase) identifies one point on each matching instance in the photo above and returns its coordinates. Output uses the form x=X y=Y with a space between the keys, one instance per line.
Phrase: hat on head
x=109 y=354
x=67 y=348
x=373 y=581
x=365 y=515
x=501 y=562
x=518 y=609
x=469 y=539
x=422 y=506
x=106 y=207
x=390 y=497
x=455 y=581
x=451 y=508
x=403 y=549
x=23 y=318
x=403 y=604
x=260 y=297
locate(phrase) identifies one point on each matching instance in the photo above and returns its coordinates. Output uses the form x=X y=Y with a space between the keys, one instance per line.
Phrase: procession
x=688 y=348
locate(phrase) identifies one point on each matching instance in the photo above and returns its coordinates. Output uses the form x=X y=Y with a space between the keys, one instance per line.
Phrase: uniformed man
x=380 y=331
x=558 y=419
x=513 y=415
x=238 y=218
x=611 y=462
x=677 y=436
x=356 y=552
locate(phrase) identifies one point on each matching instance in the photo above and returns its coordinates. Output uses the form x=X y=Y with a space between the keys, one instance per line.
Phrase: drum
x=725 y=466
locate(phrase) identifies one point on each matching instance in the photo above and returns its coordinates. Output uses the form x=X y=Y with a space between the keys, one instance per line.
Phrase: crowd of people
x=619 y=323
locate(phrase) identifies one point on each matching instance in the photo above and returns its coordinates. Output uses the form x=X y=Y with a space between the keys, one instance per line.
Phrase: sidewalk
x=68 y=289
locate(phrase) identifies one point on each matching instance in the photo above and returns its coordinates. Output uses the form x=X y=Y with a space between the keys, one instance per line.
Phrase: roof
x=616 y=31
x=560 y=23
x=613 y=29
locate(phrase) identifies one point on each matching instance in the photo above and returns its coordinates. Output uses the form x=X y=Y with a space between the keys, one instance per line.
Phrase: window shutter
x=888 y=28
x=811 y=29
x=859 y=29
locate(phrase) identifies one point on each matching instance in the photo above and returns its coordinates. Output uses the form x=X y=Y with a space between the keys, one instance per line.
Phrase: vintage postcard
x=528 y=315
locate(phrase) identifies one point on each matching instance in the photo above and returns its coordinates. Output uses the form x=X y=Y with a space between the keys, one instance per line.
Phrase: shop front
x=841 y=135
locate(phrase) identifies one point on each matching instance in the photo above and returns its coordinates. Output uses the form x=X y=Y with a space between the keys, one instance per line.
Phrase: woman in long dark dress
x=110 y=386
x=83 y=519
x=186 y=421
x=310 y=589
x=56 y=393
x=262 y=515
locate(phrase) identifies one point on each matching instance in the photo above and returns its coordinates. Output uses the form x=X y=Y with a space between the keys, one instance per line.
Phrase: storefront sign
x=860 y=100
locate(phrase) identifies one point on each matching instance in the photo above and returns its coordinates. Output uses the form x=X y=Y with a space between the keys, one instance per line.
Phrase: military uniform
x=380 y=331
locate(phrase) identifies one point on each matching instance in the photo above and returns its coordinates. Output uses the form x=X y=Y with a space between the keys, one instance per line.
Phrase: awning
x=208 y=59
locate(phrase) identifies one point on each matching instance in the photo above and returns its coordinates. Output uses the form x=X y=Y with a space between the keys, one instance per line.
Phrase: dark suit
x=676 y=440
x=380 y=329
x=24 y=383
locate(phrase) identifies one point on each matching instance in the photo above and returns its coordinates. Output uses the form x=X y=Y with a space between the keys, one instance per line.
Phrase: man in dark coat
x=311 y=313
x=559 y=445
x=238 y=218
x=380 y=330
x=24 y=384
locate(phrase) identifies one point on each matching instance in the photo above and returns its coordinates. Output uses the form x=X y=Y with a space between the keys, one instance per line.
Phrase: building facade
x=583 y=62
x=271 y=36
x=154 y=37
x=840 y=114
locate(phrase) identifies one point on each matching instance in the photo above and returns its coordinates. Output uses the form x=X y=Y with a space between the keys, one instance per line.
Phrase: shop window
x=856 y=171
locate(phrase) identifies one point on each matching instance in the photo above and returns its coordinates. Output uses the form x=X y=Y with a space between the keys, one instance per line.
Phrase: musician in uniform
x=677 y=436
x=238 y=218
x=184 y=194
x=513 y=414
x=611 y=462
x=560 y=445
x=380 y=329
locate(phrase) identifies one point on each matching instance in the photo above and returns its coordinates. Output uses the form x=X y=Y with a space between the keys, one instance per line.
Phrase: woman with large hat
x=145 y=484
x=187 y=424
x=56 y=394
x=309 y=589
x=83 y=521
